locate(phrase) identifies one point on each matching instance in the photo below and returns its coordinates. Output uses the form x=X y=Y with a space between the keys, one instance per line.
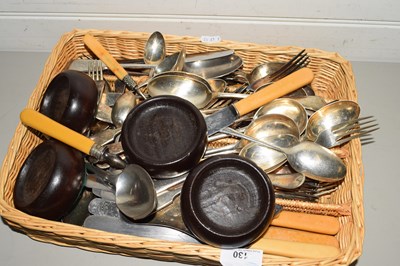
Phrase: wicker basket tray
x=333 y=80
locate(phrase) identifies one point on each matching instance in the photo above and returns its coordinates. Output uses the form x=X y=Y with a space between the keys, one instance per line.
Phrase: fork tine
x=292 y=62
x=354 y=136
x=366 y=140
x=293 y=59
x=94 y=70
x=291 y=68
x=99 y=70
x=295 y=63
x=90 y=69
x=297 y=60
x=353 y=126
x=351 y=123
x=357 y=130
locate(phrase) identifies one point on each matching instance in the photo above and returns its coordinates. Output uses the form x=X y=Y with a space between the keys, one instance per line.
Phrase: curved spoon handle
x=98 y=49
x=51 y=128
x=277 y=89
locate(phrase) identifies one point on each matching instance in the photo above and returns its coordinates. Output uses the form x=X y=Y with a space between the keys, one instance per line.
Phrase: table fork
x=95 y=71
x=297 y=62
x=346 y=131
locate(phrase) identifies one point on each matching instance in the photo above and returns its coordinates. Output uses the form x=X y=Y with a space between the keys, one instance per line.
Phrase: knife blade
x=227 y=115
x=116 y=225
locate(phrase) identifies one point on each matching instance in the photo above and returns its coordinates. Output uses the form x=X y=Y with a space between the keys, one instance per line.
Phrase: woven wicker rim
x=333 y=80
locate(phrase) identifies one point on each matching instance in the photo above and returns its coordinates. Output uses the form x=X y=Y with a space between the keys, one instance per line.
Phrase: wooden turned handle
x=288 y=234
x=295 y=249
x=308 y=222
x=98 y=49
x=51 y=128
x=291 y=82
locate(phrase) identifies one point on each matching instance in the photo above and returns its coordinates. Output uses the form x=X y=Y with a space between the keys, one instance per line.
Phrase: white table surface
x=378 y=93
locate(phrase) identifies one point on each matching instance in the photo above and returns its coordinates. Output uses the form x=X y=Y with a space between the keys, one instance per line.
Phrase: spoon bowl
x=154 y=50
x=266 y=158
x=287 y=107
x=188 y=86
x=311 y=103
x=276 y=129
x=325 y=166
x=217 y=84
x=123 y=105
x=331 y=114
x=307 y=157
x=264 y=70
x=134 y=190
x=173 y=62
x=285 y=177
x=269 y=125
x=214 y=68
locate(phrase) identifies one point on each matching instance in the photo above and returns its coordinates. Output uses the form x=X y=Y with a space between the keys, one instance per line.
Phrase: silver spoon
x=214 y=68
x=269 y=125
x=173 y=62
x=286 y=178
x=287 y=107
x=188 y=86
x=114 y=115
x=306 y=157
x=266 y=158
x=334 y=113
x=154 y=50
x=276 y=129
x=266 y=128
x=264 y=70
x=123 y=105
x=311 y=102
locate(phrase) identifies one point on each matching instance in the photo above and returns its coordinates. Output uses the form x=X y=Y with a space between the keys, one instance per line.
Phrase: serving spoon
x=154 y=50
x=307 y=157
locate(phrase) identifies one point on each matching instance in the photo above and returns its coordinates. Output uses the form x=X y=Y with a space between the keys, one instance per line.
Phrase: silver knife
x=116 y=225
x=227 y=115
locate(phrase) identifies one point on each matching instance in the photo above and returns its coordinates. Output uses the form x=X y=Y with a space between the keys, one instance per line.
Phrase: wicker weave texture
x=333 y=80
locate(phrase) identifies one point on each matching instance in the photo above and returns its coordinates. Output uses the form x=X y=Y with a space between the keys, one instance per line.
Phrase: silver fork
x=95 y=71
x=346 y=131
x=297 y=62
